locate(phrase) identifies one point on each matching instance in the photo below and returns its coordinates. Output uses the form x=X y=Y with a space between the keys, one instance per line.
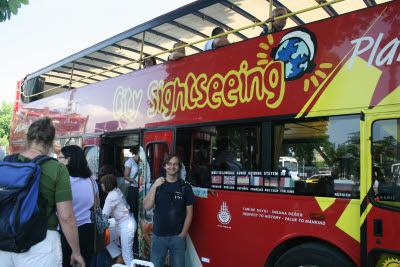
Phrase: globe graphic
x=295 y=53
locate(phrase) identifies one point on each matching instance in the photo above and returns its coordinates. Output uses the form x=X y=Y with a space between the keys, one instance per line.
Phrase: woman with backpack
x=83 y=198
x=117 y=207
x=55 y=189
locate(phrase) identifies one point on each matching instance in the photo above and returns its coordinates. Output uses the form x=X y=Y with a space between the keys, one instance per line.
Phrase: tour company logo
x=224 y=216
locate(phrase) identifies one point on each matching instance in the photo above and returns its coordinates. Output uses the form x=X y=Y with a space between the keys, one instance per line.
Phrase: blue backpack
x=21 y=224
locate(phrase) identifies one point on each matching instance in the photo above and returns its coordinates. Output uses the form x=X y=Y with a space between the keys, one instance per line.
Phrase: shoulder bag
x=100 y=222
x=125 y=186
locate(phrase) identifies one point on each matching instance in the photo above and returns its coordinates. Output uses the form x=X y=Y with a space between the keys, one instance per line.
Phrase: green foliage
x=10 y=6
x=5 y=122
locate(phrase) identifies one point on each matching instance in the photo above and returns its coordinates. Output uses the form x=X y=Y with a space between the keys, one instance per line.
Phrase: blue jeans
x=99 y=260
x=161 y=244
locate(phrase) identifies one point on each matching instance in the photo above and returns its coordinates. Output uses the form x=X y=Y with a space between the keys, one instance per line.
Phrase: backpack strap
x=11 y=158
x=37 y=160
x=41 y=158
x=183 y=185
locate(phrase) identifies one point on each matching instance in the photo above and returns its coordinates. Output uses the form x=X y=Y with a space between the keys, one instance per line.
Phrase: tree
x=5 y=122
x=10 y=6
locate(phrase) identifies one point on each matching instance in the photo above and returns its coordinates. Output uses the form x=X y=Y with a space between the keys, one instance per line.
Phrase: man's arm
x=127 y=171
x=188 y=221
x=150 y=200
x=67 y=220
x=266 y=29
x=176 y=55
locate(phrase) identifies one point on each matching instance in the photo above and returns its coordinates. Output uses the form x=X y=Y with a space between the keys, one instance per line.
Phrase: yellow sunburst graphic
x=263 y=60
x=391 y=263
x=318 y=73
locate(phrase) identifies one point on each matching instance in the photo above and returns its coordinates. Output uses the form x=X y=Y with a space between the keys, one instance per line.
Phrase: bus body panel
x=389 y=239
x=260 y=222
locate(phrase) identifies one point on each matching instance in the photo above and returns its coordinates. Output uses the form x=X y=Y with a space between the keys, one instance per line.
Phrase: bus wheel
x=314 y=255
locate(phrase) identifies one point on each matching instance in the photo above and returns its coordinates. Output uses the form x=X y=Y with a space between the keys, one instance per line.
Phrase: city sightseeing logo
x=223 y=215
x=297 y=50
x=290 y=60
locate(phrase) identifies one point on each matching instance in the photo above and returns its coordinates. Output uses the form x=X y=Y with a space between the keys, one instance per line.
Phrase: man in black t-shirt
x=173 y=200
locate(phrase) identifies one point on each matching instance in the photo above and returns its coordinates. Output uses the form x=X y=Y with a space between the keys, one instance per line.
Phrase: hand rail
x=189 y=44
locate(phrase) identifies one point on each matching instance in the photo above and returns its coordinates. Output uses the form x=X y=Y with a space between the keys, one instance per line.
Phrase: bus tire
x=314 y=254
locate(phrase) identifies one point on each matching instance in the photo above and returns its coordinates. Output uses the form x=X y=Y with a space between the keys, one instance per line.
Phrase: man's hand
x=77 y=257
x=182 y=235
x=270 y=20
x=159 y=182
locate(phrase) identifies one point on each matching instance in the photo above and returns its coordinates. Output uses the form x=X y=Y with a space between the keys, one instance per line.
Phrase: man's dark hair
x=109 y=181
x=134 y=150
x=169 y=157
x=217 y=30
x=153 y=59
x=77 y=165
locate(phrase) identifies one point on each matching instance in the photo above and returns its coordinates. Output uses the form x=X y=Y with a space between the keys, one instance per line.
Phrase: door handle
x=378 y=228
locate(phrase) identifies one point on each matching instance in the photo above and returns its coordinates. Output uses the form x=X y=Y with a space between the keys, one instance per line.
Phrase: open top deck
x=189 y=24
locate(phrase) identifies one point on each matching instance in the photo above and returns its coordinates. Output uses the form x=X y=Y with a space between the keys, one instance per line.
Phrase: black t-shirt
x=170 y=209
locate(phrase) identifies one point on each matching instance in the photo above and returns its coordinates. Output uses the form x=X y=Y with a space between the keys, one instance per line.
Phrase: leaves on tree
x=10 y=6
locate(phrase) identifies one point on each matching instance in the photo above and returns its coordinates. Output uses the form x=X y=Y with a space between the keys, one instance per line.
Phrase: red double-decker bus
x=322 y=94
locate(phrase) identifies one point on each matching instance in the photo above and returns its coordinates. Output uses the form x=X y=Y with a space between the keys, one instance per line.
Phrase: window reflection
x=386 y=161
x=322 y=155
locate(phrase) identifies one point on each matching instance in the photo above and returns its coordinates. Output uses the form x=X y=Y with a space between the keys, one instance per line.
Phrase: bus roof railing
x=144 y=55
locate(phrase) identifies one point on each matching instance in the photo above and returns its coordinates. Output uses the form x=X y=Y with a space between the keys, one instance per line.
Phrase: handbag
x=125 y=186
x=100 y=222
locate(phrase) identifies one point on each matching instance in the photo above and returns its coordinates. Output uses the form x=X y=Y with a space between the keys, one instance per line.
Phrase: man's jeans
x=161 y=244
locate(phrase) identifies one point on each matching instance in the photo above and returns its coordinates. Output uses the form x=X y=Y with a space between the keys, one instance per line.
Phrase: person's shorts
x=44 y=254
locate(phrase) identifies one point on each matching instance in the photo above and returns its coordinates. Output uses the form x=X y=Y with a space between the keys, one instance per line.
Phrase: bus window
x=386 y=161
x=236 y=148
x=321 y=154
x=218 y=148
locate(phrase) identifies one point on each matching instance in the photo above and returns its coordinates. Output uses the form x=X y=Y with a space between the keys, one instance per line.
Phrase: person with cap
x=277 y=25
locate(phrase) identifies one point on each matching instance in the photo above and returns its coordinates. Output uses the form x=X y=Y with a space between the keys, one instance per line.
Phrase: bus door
x=115 y=148
x=380 y=192
x=157 y=146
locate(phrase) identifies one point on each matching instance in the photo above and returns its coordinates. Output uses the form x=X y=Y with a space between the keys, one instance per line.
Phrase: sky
x=46 y=31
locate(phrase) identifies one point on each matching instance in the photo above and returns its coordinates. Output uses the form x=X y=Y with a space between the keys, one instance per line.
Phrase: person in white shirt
x=217 y=42
x=131 y=175
x=117 y=207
